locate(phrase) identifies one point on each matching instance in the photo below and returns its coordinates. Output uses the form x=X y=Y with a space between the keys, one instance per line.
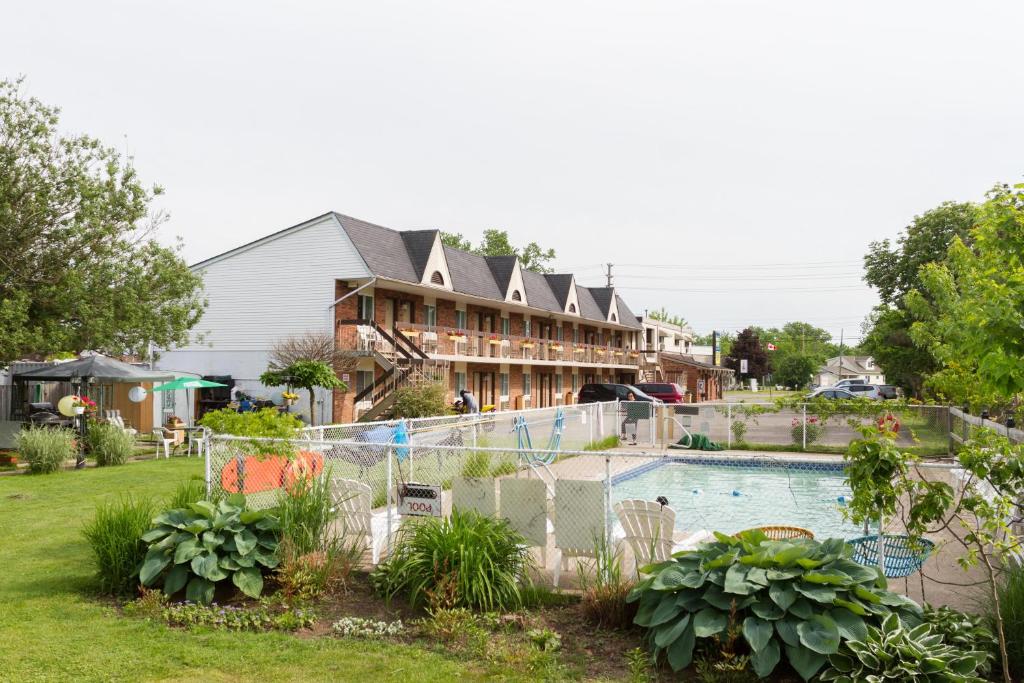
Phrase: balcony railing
x=442 y=341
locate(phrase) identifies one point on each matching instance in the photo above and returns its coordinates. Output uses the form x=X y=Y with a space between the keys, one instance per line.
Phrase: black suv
x=594 y=393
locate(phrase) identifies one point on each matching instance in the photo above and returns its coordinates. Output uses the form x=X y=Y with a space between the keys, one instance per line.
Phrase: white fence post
x=728 y=424
x=387 y=499
x=804 y=430
x=209 y=479
x=607 y=501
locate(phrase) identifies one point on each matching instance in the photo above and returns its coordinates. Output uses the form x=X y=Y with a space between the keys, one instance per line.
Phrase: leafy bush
x=798 y=597
x=268 y=422
x=603 y=444
x=186 y=493
x=109 y=444
x=966 y=632
x=356 y=627
x=472 y=560
x=896 y=653
x=46 y=449
x=421 y=400
x=1011 y=602
x=305 y=512
x=196 y=547
x=813 y=427
x=115 y=537
x=739 y=430
x=478 y=464
x=234 y=618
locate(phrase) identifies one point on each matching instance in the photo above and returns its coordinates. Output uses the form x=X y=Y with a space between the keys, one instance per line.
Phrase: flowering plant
x=814 y=429
x=289 y=396
x=85 y=402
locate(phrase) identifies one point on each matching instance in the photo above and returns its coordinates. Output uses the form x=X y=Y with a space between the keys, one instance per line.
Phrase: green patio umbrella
x=188 y=383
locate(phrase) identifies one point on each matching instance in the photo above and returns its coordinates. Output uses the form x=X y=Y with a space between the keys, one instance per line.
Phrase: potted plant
x=289 y=398
x=494 y=340
x=555 y=346
x=83 y=404
x=456 y=335
x=527 y=345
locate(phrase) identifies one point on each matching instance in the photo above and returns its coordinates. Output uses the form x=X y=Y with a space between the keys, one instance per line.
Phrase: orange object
x=889 y=423
x=258 y=474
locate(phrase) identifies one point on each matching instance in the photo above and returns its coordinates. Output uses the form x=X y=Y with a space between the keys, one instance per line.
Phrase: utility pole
x=608 y=274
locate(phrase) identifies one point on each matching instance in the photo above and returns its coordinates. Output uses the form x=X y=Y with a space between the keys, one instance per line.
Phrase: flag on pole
x=771 y=347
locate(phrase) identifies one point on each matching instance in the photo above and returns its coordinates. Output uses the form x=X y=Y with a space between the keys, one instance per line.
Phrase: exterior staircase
x=404 y=363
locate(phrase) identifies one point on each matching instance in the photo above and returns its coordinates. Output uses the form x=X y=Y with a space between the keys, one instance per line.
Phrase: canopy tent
x=97 y=368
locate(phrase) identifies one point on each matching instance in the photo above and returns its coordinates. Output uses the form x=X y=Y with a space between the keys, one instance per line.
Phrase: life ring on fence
x=889 y=423
x=253 y=474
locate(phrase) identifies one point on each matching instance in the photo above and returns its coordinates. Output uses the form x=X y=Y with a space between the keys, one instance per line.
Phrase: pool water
x=738 y=496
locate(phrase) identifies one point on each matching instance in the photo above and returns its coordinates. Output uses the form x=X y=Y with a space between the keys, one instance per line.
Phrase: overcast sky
x=756 y=146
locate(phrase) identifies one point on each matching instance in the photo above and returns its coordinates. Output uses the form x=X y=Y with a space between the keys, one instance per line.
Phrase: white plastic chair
x=579 y=522
x=160 y=434
x=117 y=420
x=199 y=436
x=359 y=523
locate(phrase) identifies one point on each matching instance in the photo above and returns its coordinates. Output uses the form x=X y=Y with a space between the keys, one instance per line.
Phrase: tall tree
x=304 y=374
x=496 y=243
x=969 y=311
x=747 y=346
x=664 y=316
x=894 y=271
x=795 y=371
x=79 y=267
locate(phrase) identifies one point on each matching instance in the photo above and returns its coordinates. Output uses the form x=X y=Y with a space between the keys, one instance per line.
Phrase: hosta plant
x=198 y=546
x=897 y=653
x=965 y=632
x=798 y=599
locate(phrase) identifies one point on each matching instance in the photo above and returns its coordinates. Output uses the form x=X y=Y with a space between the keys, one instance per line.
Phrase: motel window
x=575 y=383
x=460 y=381
x=527 y=381
x=430 y=316
x=575 y=335
x=506 y=326
x=460 y=320
x=558 y=333
x=504 y=384
x=365 y=307
x=526 y=328
x=558 y=383
x=364 y=378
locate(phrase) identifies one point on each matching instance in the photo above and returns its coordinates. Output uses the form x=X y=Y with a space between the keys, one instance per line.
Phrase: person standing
x=469 y=401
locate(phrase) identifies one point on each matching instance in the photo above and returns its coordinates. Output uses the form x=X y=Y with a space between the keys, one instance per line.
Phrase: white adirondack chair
x=648 y=527
x=357 y=521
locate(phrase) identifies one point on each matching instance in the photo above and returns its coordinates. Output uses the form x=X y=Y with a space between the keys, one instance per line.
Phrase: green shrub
x=798 y=598
x=109 y=444
x=267 y=423
x=196 y=547
x=478 y=464
x=966 y=632
x=261 y=617
x=421 y=400
x=313 y=562
x=466 y=560
x=813 y=428
x=46 y=449
x=739 y=430
x=1011 y=601
x=605 y=590
x=187 y=492
x=603 y=444
x=115 y=537
x=894 y=652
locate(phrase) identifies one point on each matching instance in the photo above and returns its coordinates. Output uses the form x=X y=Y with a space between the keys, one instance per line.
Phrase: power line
x=746 y=290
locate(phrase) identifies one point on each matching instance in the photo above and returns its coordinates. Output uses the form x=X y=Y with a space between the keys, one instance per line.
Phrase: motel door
x=544 y=384
x=483 y=387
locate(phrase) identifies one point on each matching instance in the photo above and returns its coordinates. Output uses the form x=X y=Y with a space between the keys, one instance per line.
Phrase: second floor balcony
x=460 y=344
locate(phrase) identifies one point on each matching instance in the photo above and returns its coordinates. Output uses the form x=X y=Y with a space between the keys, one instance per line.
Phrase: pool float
x=257 y=474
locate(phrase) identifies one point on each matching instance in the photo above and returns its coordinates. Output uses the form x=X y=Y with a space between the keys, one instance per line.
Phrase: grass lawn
x=53 y=625
x=763 y=396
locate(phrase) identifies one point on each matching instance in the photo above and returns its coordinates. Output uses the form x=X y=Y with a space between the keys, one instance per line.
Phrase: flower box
x=457 y=337
x=494 y=341
x=555 y=347
x=527 y=345
x=579 y=350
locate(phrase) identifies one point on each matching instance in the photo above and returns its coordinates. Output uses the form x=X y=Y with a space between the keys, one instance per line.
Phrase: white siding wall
x=277 y=288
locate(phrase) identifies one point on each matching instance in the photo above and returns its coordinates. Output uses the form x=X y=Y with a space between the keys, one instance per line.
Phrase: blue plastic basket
x=903 y=555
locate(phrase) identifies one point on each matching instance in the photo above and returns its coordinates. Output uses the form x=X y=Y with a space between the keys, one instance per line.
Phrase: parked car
x=844 y=383
x=830 y=392
x=593 y=393
x=864 y=391
x=668 y=392
x=889 y=391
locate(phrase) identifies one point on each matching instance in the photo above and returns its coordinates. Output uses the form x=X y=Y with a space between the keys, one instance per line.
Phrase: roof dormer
x=428 y=258
x=509 y=276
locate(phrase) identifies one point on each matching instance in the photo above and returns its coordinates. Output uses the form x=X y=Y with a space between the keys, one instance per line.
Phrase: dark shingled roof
x=626 y=316
x=403 y=256
x=560 y=285
x=603 y=299
x=588 y=307
x=382 y=248
x=502 y=268
x=419 y=244
x=471 y=275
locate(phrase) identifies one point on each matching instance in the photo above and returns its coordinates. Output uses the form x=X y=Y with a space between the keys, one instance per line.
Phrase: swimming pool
x=738 y=494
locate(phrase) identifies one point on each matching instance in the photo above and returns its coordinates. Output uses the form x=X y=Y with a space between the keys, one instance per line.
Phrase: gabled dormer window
x=572 y=308
x=437 y=278
x=517 y=296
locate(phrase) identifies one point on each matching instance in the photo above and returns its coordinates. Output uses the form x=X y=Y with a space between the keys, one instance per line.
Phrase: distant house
x=849 y=367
